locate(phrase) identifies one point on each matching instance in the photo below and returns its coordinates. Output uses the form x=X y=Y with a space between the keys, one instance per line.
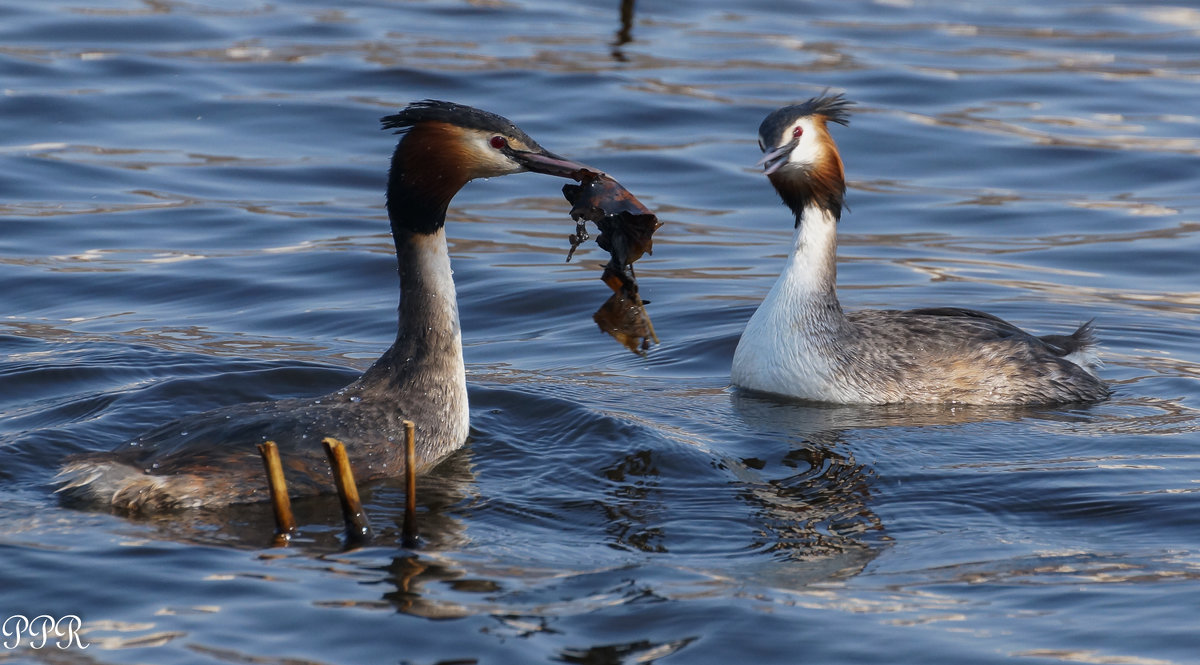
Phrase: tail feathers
x=123 y=487
x=1080 y=347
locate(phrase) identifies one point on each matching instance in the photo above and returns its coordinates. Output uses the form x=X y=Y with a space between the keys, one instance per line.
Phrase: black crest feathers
x=834 y=108
x=467 y=117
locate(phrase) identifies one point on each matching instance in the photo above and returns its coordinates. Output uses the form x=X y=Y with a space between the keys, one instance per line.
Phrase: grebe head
x=801 y=159
x=444 y=146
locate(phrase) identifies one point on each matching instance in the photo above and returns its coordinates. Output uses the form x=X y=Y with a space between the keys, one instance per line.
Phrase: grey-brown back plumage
x=951 y=354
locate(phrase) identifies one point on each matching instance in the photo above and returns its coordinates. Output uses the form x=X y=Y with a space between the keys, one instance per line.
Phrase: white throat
x=811 y=268
x=787 y=345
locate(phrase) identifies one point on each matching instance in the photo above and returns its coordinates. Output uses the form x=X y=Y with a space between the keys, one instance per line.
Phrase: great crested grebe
x=799 y=343
x=211 y=459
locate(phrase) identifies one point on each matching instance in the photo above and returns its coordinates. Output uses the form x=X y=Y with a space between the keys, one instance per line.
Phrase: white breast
x=787 y=346
x=775 y=356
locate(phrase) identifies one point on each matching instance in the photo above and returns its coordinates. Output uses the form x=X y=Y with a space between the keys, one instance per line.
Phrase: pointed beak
x=773 y=160
x=551 y=164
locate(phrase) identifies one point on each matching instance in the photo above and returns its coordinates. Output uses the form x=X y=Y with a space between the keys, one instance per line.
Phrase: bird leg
x=358 y=527
x=285 y=522
x=410 y=532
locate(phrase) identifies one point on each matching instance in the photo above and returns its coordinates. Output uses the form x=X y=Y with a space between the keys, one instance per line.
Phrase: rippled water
x=190 y=216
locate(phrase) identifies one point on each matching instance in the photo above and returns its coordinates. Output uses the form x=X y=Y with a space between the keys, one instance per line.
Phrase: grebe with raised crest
x=801 y=344
x=211 y=458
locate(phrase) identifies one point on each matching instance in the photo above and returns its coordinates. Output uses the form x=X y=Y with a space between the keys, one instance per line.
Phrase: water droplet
x=356 y=399
x=183 y=433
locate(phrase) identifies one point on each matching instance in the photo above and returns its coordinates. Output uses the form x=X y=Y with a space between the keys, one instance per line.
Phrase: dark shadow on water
x=818 y=421
x=641 y=651
x=625 y=32
x=811 y=495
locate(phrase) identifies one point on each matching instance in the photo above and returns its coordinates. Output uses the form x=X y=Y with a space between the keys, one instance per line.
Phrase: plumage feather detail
x=833 y=108
x=449 y=113
x=98 y=481
x=1081 y=347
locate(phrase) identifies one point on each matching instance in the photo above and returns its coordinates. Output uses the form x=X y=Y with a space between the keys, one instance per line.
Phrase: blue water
x=191 y=216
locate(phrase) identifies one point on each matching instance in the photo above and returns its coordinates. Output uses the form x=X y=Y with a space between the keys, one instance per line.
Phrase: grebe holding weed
x=211 y=459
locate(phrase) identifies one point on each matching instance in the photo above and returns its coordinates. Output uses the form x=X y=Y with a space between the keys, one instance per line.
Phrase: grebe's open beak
x=551 y=164
x=772 y=161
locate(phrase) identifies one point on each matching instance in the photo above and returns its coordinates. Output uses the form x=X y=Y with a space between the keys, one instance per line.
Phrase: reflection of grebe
x=801 y=344
x=211 y=458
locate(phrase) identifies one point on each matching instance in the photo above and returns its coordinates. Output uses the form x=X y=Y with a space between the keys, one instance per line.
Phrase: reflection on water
x=641 y=651
x=627 y=321
x=320 y=518
x=625 y=32
x=820 y=511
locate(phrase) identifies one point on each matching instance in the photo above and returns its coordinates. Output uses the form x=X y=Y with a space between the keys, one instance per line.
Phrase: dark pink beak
x=551 y=164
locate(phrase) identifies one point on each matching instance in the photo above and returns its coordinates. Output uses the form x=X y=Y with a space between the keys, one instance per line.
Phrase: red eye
x=498 y=142
x=796 y=133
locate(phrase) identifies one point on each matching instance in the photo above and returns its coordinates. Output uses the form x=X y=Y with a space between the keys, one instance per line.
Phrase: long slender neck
x=792 y=340
x=428 y=309
x=809 y=278
x=426 y=358
x=814 y=194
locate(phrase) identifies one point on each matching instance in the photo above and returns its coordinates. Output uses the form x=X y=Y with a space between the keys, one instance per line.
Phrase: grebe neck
x=808 y=283
x=426 y=358
x=794 y=335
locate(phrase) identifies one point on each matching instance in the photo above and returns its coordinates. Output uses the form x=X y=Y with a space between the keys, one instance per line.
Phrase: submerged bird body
x=800 y=343
x=211 y=458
